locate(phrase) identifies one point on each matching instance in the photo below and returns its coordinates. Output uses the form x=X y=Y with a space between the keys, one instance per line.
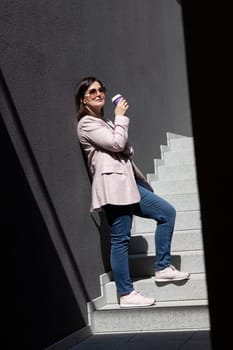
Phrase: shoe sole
x=171 y=279
x=135 y=306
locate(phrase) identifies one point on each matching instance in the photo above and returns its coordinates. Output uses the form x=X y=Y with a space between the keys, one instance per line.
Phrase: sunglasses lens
x=93 y=92
x=102 y=90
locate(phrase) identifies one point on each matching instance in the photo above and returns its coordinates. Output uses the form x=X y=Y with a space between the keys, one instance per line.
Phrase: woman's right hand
x=121 y=107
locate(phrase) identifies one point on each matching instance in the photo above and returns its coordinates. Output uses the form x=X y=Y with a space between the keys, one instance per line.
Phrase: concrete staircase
x=179 y=305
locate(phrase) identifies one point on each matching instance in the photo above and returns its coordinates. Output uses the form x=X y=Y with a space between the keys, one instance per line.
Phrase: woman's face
x=94 y=97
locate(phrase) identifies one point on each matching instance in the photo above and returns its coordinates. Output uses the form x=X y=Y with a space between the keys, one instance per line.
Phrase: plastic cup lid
x=116 y=97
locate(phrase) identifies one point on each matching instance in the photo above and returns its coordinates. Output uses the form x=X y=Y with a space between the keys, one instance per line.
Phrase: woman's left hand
x=121 y=107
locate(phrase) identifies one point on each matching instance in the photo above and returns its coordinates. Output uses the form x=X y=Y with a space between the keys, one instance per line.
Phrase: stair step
x=177 y=158
x=186 y=220
x=168 y=187
x=163 y=316
x=143 y=265
x=184 y=201
x=193 y=289
x=179 y=172
x=181 y=241
x=181 y=144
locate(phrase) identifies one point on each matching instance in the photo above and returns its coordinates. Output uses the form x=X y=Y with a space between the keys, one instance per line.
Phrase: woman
x=121 y=190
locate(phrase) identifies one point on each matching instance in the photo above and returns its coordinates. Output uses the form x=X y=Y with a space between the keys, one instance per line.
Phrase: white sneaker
x=135 y=299
x=171 y=274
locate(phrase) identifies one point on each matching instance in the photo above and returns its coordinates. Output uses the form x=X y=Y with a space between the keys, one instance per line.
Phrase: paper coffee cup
x=116 y=99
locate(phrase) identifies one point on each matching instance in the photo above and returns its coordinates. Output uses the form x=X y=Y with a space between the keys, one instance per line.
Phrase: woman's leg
x=154 y=207
x=120 y=221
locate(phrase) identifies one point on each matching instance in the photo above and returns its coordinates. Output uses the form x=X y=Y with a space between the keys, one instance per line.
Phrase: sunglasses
x=93 y=92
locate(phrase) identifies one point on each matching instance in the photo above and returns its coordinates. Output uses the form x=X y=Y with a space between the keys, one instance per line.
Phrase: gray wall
x=136 y=48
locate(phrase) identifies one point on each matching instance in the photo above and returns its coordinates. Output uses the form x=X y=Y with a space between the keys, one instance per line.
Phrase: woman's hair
x=81 y=87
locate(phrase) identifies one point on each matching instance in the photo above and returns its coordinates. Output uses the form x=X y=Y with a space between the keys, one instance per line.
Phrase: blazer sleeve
x=97 y=132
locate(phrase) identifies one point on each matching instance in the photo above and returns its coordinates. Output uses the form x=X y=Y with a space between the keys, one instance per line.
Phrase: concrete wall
x=135 y=48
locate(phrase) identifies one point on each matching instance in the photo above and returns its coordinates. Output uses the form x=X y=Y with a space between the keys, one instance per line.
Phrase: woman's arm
x=97 y=132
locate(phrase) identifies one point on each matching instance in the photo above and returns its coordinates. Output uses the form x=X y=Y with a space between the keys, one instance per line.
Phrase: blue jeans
x=119 y=218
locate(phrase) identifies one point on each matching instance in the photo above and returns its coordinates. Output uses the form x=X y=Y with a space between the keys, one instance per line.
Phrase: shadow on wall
x=102 y=227
x=45 y=306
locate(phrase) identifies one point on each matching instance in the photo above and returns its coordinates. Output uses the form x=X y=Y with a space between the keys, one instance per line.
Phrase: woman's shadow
x=101 y=224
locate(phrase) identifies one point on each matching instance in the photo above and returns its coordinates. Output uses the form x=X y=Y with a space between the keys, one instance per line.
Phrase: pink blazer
x=113 y=172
